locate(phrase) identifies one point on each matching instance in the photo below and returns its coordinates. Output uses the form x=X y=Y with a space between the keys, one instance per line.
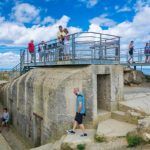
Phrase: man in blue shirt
x=80 y=112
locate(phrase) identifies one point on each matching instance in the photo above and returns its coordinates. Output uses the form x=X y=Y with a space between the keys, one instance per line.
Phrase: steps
x=111 y=129
x=126 y=117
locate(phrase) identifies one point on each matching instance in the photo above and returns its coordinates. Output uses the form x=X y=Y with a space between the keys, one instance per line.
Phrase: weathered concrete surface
x=71 y=141
x=136 y=99
x=119 y=144
x=111 y=129
x=42 y=104
x=3 y=144
x=141 y=105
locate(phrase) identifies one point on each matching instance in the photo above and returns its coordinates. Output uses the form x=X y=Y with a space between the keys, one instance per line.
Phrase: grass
x=100 y=139
x=134 y=140
x=81 y=147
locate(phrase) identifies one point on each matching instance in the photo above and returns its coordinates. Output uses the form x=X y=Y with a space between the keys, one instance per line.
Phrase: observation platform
x=82 y=48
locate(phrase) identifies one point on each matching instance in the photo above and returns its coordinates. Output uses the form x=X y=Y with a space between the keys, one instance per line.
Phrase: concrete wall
x=42 y=103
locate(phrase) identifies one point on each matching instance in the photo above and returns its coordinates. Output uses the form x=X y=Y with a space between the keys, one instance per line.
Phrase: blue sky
x=22 y=20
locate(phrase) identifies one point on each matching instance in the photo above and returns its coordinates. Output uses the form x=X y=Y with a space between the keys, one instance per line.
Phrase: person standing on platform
x=31 y=49
x=61 y=36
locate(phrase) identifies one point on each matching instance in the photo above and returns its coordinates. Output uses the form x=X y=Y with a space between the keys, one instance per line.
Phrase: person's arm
x=80 y=104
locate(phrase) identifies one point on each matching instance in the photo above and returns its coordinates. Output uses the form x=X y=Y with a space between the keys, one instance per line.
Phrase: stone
x=133 y=77
x=146 y=137
x=144 y=123
x=112 y=129
x=71 y=141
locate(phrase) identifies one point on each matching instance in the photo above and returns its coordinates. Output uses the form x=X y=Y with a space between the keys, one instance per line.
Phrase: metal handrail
x=95 y=47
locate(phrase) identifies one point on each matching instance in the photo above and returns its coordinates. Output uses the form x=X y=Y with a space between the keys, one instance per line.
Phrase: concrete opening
x=37 y=130
x=103 y=92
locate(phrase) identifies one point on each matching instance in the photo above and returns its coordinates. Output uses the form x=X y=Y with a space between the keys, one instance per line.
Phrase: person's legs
x=2 y=122
x=74 y=125
x=82 y=127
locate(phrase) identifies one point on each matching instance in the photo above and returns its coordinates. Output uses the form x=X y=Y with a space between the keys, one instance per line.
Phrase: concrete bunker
x=45 y=99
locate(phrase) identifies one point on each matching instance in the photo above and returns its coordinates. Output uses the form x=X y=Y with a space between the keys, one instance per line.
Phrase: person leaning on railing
x=61 y=36
x=66 y=43
x=31 y=49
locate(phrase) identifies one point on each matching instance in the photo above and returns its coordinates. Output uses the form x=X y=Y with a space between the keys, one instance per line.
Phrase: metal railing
x=81 y=48
x=138 y=56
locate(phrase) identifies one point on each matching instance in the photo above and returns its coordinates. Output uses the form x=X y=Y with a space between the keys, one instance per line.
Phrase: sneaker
x=84 y=134
x=70 y=132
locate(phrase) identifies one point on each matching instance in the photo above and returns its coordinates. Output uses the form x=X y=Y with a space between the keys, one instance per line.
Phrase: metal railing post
x=73 y=47
x=35 y=56
x=27 y=55
x=100 y=48
x=105 y=49
x=118 y=50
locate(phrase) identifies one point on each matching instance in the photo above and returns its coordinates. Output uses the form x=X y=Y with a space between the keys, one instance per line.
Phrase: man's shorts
x=32 y=54
x=79 y=118
x=3 y=119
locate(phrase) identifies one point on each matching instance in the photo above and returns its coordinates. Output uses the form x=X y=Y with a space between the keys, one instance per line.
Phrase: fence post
x=35 y=56
x=119 y=50
x=73 y=46
x=100 y=47
x=27 y=56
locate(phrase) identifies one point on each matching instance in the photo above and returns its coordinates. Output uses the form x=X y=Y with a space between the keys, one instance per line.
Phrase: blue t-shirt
x=80 y=99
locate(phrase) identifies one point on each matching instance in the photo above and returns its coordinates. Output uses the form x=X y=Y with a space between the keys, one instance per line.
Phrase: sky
x=23 y=20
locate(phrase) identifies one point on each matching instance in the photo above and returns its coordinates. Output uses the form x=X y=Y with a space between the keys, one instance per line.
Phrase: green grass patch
x=100 y=139
x=134 y=140
x=81 y=147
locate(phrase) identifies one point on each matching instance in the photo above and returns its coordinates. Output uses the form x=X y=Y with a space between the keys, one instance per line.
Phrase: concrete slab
x=71 y=141
x=44 y=147
x=3 y=144
x=113 y=128
x=3 y=81
x=119 y=144
x=141 y=104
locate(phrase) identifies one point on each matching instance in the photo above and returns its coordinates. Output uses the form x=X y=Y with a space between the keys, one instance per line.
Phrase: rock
x=134 y=115
x=146 y=137
x=144 y=123
x=133 y=77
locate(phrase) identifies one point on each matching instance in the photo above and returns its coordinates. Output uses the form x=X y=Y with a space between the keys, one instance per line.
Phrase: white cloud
x=17 y=34
x=2 y=19
x=124 y=9
x=102 y=20
x=140 y=4
x=89 y=3
x=8 y=60
x=25 y=13
x=138 y=29
x=48 y=20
